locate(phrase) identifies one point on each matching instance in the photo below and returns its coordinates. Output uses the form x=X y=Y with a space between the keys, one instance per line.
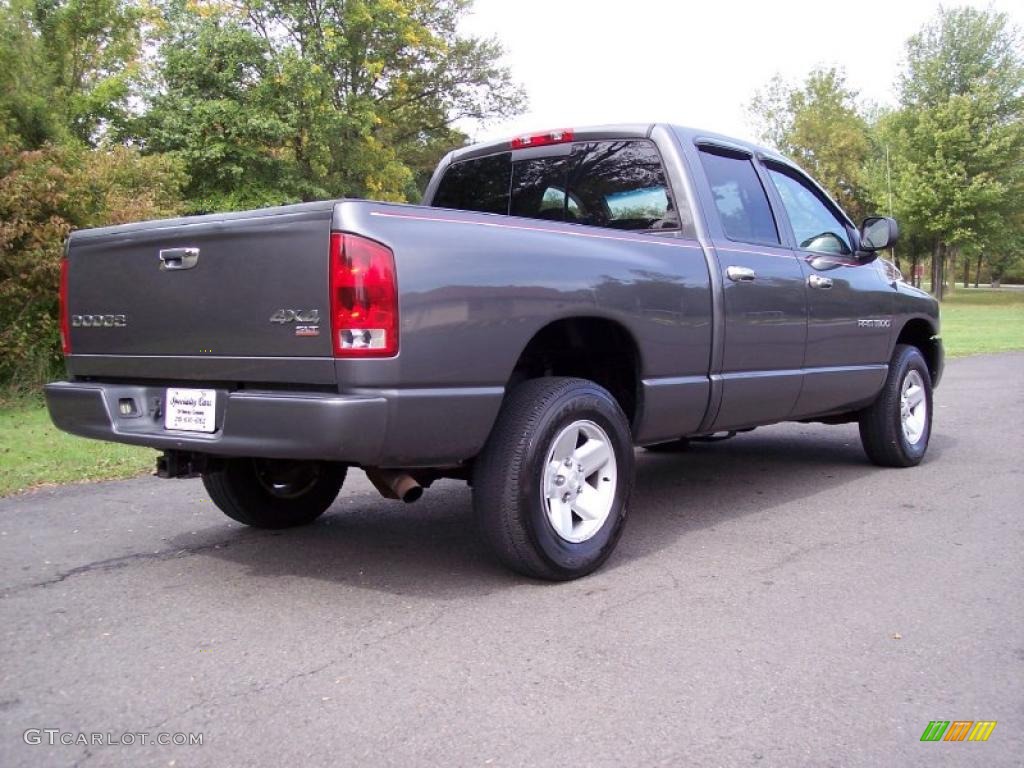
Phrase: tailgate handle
x=178 y=258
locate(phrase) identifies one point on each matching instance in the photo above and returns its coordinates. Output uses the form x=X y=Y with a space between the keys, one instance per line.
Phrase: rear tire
x=271 y=493
x=551 y=485
x=896 y=428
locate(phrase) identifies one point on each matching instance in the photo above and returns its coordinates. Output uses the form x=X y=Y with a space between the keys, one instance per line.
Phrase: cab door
x=849 y=301
x=765 y=309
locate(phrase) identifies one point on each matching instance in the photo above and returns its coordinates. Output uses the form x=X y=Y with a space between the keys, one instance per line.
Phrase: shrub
x=44 y=194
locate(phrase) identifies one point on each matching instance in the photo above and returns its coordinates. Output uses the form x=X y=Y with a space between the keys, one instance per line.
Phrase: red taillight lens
x=65 y=326
x=364 y=298
x=542 y=139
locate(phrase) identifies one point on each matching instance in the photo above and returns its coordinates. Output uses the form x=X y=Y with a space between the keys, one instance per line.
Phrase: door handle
x=740 y=274
x=817 y=281
x=178 y=258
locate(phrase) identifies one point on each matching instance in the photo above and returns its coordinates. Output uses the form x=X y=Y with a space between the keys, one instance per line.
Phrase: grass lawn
x=33 y=452
x=978 y=320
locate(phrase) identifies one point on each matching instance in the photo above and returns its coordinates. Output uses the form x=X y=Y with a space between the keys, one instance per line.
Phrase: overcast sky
x=696 y=64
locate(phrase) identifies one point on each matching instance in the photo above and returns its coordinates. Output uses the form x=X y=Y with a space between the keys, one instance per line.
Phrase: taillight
x=364 y=298
x=65 y=326
x=542 y=139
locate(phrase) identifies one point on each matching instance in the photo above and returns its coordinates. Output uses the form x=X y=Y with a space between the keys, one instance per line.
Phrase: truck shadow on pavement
x=429 y=549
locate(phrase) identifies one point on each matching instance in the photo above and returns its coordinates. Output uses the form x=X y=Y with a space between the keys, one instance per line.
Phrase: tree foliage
x=269 y=101
x=819 y=125
x=948 y=161
x=69 y=67
x=44 y=194
x=222 y=111
x=958 y=136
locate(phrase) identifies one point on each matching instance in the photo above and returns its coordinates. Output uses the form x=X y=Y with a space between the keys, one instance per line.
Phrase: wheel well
x=588 y=347
x=919 y=333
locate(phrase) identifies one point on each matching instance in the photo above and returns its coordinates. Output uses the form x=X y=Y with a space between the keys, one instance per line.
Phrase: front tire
x=274 y=493
x=551 y=485
x=896 y=428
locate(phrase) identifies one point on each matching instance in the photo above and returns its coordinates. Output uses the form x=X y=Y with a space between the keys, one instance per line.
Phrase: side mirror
x=878 y=232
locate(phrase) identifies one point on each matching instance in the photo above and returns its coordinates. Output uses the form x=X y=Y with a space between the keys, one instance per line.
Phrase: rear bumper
x=371 y=428
x=293 y=425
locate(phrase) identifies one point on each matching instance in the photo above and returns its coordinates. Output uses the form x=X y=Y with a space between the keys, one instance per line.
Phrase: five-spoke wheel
x=579 y=481
x=913 y=407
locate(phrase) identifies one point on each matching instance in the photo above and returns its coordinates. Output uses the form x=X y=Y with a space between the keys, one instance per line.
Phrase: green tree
x=224 y=113
x=68 y=67
x=268 y=101
x=28 y=116
x=1006 y=252
x=818 y=124
x=958 y=136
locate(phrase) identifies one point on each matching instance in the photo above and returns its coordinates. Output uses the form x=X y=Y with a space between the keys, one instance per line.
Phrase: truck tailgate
x=208 y=291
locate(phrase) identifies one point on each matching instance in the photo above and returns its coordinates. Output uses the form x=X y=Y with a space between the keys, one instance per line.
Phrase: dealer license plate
x=191 y=410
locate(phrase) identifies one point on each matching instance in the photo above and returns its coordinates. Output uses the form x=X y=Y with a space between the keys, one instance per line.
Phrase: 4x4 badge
x=282 y=316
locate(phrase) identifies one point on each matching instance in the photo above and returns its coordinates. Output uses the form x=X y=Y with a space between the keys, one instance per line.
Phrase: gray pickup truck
x=556 y=300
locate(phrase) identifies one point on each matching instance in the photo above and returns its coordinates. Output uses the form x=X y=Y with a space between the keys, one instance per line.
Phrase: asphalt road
x=775 y=601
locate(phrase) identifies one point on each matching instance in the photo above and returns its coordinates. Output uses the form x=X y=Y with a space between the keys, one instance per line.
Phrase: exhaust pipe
x=395 y=484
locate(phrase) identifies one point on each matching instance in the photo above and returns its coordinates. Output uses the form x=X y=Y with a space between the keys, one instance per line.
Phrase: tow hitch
x=182 y=464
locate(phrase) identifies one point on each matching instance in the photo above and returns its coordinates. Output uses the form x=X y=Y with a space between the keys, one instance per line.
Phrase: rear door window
x=739 y=198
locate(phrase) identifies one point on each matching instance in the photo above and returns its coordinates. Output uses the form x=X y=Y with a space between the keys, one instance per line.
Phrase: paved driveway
x=775 y=601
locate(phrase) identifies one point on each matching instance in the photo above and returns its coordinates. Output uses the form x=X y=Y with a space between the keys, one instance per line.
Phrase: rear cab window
x=538 y=188
x=618 y=184
x=477 y=185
